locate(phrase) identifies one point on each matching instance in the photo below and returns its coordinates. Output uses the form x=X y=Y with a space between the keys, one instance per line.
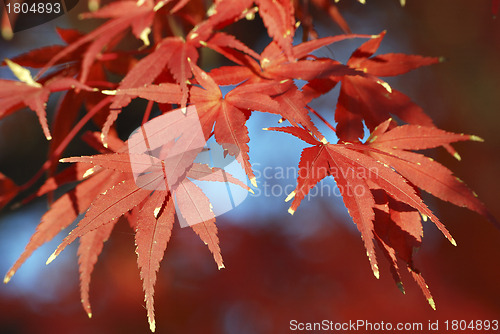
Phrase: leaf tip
x=23 y=74
x=89 y=172
x=385 y=85
x=156 y=211
x=253 y=181
x=221 y=266
x=289 y=197
x=144 y=36
x=7 y=33
x=159 y=5
x=291 y=211
x=381 y=34
x=152 y=325
x=93 y=5
x=432 y=303
x=376 y=272
x=324 y=141
x=7 y=277
x=457 y=156
x=89 y=314
x=476 y=138
x=401 y=287
x=249 y=14
x=51 y=258
x=109 y=92
x=453 y=242
x=104 y=140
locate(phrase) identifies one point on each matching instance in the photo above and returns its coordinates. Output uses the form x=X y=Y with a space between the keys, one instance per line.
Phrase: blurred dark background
x=308 y=267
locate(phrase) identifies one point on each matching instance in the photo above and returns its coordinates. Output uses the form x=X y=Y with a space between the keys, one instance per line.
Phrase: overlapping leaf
x=152 y=235
x=422 y=171
x=228 y=115
x=276 y=67
x=27 y=92
x=368 y=98
x=375 y=181
x=123 y=15
x=175 y=54
x=62 y=213
x=156 y=213
x=279 y=20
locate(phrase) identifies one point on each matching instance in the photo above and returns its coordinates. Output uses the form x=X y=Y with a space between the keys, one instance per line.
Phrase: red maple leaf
x=304 y=15
x=276 y=67
x=153 y=224
x=398 y=231
x=424 y=172
x=368 y=98
x=278 y=17
x=375 y=181
x=175 y=54
x=69 y=106
x=110 y=190
x=27 y=92
x=37 y=58
x=123 y=15
x=225 y=115
x=228 y=115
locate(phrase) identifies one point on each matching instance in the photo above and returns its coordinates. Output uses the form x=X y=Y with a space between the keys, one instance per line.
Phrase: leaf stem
x=175 y=28
x=321 y=118
x=58 y=151
x=110 y=85
x=147 y=113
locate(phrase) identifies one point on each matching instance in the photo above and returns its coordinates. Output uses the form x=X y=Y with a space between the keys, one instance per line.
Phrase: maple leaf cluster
x=380 y=178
